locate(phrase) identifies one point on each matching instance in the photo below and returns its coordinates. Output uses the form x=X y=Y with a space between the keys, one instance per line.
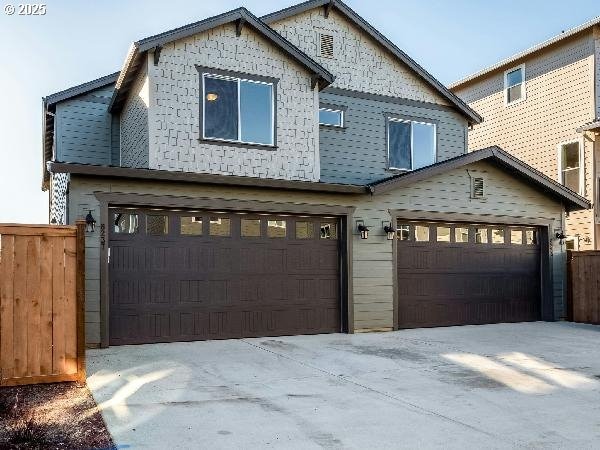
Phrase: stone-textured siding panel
x=359 y=62
x=175 y=108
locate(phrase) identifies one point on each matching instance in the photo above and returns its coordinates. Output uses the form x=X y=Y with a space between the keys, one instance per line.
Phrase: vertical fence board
x=58 y=301
x=70 y=307
x=7 y=274
x=33 y=300
x=41 y=304
x=20 y=307
x=583 y=270
x=46 y=304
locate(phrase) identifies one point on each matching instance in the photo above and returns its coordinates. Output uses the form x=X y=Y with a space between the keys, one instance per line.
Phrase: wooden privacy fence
x=583 y=299
x=42 y=304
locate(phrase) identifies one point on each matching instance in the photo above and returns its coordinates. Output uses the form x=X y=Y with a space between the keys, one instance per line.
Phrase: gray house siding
x=357 y=154
x=115 y=141
x=83 y=128
x=134 y=145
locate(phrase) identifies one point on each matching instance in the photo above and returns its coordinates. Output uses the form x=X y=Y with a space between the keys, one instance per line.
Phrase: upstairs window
x=411 y=144
x=331 y=117
x=514 y=85
x=570 y=162
x=238 y=110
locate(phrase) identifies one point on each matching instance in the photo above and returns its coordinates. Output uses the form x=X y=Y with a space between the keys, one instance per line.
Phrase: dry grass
x=51 y=416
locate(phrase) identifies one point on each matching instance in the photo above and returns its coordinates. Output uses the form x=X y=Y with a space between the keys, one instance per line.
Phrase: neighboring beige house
x=542 y=105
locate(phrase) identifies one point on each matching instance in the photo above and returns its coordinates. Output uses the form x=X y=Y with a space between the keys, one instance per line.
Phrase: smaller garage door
x=458 y=274
x=182 y=276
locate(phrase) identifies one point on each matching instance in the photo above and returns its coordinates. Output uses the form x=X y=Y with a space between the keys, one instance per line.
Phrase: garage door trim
x=344 y=214
x=544 y=225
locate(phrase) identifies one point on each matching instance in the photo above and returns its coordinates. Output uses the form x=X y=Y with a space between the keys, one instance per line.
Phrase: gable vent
x=478 y=188
x=326 y=45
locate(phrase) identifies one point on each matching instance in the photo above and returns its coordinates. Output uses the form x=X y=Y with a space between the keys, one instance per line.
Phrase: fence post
x=80 y=295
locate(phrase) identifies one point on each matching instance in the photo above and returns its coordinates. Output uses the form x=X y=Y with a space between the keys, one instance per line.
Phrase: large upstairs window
x=237 y=109
x=570 y=166
x=411 y=144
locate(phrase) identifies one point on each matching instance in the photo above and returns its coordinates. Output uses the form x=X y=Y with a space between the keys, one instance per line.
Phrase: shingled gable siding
x=134 y=122
x=372 y=258
x=83 y=128
x=358 y=153
x=174 y=113
x=559 y=99
x=359 y=63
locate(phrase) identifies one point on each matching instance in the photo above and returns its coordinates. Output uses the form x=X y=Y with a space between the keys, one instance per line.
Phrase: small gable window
x=238 y=109
x=411 y=144
x=514 y=85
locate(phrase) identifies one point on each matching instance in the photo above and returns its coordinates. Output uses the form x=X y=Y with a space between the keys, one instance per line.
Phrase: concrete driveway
x=534 y=385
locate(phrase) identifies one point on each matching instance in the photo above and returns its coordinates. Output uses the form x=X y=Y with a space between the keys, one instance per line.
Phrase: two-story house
x=291 y=174
x=542 y=105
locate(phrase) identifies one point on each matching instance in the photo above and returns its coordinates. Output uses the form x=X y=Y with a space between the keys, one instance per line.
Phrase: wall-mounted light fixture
x=362 y=229
x=90 y=223
x=389 y=230
x=212 y=96
x=561 y=237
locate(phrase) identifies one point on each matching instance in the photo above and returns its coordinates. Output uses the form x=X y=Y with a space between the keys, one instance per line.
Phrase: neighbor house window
x=236 y=109
x=514 y=85
x=570 y=162
x=411 y=144
x=331 y=117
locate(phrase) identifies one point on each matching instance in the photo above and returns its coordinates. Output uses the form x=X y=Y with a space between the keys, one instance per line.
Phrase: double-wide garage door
x=458 y=274
x=177 y=276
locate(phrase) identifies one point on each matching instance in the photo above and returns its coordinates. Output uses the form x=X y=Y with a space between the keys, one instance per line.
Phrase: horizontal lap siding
x=83 y=128
x=559 y=99
x=358 y=153
x=372 y=267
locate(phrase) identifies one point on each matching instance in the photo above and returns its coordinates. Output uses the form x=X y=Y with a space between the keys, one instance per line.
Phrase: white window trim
x=523 y=86
x=575 y=240
x=394 y=119
x=342 y=121
x=581 y=163
x=238 y=80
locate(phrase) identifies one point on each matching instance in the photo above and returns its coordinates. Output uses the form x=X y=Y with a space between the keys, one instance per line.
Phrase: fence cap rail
x=36 y=230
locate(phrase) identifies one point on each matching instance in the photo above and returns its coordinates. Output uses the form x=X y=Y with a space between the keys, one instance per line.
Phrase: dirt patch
x=51 y=416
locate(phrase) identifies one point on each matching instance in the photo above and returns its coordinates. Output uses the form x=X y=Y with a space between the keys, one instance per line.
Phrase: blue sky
x=77 y=41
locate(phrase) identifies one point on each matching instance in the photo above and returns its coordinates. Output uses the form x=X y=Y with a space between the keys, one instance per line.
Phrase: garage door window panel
x=191 y=226
x=531 y=237
x=498 y=236
x=219 y=226
x=276 y=228
x=516 y=237
x=461 y=234
x=481 y=235
x=305 y=230
x=443 y=234
x=422 y=233
x=328 y=230
x=250 y=228
x=125 y=223
x=403 y=232
x=157 y=225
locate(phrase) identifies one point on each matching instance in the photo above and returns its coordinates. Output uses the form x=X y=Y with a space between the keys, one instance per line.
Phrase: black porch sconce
x=561 y=237
x=389 y=230
x=90 y=223
x=362 y=229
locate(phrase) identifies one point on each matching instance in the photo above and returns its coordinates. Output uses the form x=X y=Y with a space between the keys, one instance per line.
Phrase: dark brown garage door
x=458 y=274
x=182 y=276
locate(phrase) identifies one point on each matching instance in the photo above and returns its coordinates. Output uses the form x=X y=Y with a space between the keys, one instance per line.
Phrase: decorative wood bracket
x=328 y=7
x=239 y=24
x=157 y=51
